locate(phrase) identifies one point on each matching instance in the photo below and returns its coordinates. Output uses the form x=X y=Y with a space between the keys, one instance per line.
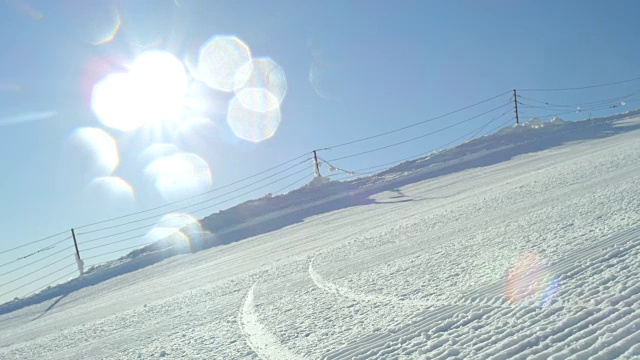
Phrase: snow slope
x=519 y=245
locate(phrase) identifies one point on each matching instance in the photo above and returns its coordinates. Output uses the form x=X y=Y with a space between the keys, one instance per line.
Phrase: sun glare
x=153 y=90
x=179 y=175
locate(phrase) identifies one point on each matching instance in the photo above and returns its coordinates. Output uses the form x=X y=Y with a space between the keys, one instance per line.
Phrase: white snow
x=523 y=244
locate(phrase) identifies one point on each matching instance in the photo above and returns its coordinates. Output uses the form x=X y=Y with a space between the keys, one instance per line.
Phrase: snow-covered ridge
x=271 y=213
x=535 y=257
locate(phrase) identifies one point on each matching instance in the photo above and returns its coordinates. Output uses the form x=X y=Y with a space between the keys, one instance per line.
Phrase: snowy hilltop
x=518 y=244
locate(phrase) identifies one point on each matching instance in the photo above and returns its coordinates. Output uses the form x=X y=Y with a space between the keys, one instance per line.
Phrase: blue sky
x=383 y=65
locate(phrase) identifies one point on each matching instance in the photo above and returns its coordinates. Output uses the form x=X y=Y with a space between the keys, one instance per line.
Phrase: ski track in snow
x=265 y=344
x=423 y=271
x=428 y=332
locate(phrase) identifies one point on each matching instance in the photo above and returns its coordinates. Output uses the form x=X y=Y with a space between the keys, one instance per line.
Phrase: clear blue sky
x=385 y=64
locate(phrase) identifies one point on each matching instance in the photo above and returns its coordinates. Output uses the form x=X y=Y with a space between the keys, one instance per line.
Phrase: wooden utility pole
x=73 y=233
x=315 y=163
x=79 y=261
x=515 y=102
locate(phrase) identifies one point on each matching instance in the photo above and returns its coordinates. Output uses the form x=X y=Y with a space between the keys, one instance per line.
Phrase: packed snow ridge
x=520 y=244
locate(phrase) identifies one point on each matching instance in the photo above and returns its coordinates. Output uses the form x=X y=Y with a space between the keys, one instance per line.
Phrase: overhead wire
x=583 y=87
x=618 y=98
x=182 y=208
x=136 y=246
x=500 y=126
x=36 y=252
x=38 y=279
x=35 y=242
x=335 y=167
x=564 y=109
x=50 y=283
x=36 y=261
x=577 y=109
x=374 y=169
x=294 y=183
x=417 y=123
x=473 y=133
x=201 y=209
x=566 y=112
x=34 y=271
x=591 y=106
x=420 y=136
x=126 y=248
x=111 y=243
x=192 y=197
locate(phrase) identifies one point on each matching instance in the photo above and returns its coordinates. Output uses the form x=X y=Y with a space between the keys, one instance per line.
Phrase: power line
x=36 y=241
x=36 y=280
x=34 y=271
x=190 y=198
x=501 y=125
x=333 y=168
x=474 y=132
x=113 y=242
x=418 y=123
x=293 y=183
x=421 y=136
x=142 y=235
x=35 y=262
x=52 y=282
x=203 y=208
x=138 y=245
x=572 y=111
x=618 y=98
x=595 y=106
x=584 y=87
x=127 y=248
x=578 y=108
x=180 y=209
x=36 y=252
x=415 y=157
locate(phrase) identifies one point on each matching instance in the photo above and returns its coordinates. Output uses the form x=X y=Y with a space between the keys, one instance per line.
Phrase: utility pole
x=515 y=102
x=315 y=163
x=78 y=260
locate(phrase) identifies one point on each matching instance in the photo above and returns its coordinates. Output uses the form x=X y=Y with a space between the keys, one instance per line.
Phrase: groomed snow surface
x=535 y=257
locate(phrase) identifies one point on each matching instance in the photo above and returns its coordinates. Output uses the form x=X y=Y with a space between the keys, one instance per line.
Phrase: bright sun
x=153 y=90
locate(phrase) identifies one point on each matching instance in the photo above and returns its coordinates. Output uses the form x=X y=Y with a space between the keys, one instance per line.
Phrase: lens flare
x=251 y=125
x=92 y=150
x=181 y=230
x=108 y=27
x=181 y=221
x=156 y=151
x=219 y=61
x=97 y=69
x=26 y=8
x=162 y=79
x=93 y=22
x=196 y=134
x=201 y=100
x=256 y=99
x=168 y=234
x=113 y=194
x=529 y=281
x=152 y=90
x=28 y=117
x=98 y=22
x=179 y=176
x=113 y=101
x=262 y=74
x=330 y=81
